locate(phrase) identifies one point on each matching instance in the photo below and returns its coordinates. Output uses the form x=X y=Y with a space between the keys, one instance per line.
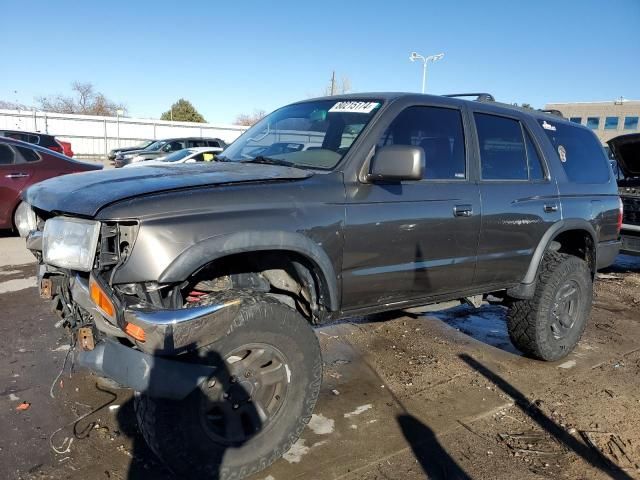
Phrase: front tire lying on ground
x=256 y=406
x=549 y=325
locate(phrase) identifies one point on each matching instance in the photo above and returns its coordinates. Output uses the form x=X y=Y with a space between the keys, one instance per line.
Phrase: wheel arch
x=201 y=254
x=557 y=237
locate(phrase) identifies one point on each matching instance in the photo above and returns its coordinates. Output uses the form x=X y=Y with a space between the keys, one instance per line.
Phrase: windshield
x=145 y=144
x=156 y=145
x=179 y=155
x=315 y=134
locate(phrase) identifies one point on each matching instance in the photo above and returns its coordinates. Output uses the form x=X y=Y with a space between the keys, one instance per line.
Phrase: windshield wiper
x=269 y=161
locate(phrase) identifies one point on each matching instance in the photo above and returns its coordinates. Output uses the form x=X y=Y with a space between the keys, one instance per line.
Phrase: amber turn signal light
x=134 y=331
x=101 y=299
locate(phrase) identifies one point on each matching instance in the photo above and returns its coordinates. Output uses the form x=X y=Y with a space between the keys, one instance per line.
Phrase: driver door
x=414 y=239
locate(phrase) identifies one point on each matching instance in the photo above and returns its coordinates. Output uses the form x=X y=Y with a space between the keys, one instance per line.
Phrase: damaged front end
x=123 y=331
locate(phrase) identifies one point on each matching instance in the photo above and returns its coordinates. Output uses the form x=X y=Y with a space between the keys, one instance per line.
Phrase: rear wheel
x=549 y=325
x=253 y=409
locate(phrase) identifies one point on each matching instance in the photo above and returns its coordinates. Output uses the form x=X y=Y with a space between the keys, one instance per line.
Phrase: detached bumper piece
x=152 y=375
x=607 y=253
x=169 y=332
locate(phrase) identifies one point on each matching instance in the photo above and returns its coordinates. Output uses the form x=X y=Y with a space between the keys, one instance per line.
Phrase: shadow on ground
x=532 y=410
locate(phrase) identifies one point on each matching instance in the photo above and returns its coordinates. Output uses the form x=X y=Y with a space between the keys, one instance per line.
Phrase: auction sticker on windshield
x=354 y=107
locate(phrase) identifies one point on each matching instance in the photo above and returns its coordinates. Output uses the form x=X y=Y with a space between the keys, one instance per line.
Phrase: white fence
x=93 y=136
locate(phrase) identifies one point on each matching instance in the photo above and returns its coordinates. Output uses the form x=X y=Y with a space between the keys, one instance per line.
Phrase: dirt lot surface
x=405 y=396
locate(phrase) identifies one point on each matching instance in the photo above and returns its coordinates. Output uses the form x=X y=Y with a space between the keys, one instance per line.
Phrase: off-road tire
x=530 y=321
x=174 y=431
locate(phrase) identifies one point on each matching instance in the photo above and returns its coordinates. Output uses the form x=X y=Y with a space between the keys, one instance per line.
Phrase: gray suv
x=199 y=287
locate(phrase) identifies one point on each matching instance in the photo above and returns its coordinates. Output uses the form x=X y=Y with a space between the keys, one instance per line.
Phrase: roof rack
x=555 y=112
x=480 y=97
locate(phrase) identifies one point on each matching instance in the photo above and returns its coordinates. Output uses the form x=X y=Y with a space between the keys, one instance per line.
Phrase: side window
x=579 y=151
x=28 y=154
x=6 y=155
x=212 y=143
x=536 y=172
x=173 y=146
x=439 y=132
x=502 y=152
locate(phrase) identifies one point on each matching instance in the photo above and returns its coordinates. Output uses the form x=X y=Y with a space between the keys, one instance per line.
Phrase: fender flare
x=527 y=287
x=213 y=248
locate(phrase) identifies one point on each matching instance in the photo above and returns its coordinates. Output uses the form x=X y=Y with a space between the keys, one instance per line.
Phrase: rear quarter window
x=579 y=152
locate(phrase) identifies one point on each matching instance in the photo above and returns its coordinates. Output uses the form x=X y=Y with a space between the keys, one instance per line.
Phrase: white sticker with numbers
x=354 y=107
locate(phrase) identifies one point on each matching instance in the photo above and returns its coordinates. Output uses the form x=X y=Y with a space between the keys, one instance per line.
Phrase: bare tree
x=249 y=119
x=85 y=100
x=13 y=106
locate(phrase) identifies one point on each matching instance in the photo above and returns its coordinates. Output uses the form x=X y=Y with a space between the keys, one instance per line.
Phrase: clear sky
x=231 y=57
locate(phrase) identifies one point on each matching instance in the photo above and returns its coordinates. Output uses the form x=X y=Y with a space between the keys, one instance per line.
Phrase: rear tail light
x=57 y=148
x=620 y=214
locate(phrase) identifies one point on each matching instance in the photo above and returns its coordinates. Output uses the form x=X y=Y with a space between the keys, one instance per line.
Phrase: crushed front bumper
x=149 y=374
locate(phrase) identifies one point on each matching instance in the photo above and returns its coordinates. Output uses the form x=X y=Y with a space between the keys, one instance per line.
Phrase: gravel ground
x=405 y=396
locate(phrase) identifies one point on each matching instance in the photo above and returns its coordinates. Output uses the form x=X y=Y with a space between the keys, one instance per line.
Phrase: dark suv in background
x=41 y=139
x=199 y=286
x=160 y=148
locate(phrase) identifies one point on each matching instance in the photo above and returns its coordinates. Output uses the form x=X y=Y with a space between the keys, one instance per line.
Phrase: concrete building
x=607 y=119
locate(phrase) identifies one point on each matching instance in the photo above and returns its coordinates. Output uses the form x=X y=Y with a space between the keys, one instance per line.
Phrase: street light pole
x=431 y=58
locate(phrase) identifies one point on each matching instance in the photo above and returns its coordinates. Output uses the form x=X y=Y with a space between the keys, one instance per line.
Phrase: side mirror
x=396 y=163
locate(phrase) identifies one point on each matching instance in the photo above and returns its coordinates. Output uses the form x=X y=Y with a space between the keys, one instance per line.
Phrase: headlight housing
x=70 y=242
x=25 y=219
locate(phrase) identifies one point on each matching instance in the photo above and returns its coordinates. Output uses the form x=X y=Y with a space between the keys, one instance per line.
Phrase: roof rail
x=480 y=97
x=555 y=112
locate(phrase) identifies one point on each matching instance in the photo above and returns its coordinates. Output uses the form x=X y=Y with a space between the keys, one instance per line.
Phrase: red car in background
x=66 y=148
x=23 y=164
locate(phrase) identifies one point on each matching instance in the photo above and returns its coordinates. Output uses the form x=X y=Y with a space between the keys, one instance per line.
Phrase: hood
x=626 y=150
x=84 y=194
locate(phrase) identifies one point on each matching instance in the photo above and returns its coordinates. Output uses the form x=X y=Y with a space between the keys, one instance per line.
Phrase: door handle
x=16 y=175
x=463 y=210
x=551 y=207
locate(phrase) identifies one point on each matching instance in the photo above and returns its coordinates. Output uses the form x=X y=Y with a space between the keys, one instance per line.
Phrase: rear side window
x=6 y=155
x=579 y=151
x=502 y=151
x=28 y=154
x=439 y=132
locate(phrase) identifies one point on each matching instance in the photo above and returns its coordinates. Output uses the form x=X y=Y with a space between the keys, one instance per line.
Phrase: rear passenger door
x=414 y=239
x=519 y=201
x=14 y=176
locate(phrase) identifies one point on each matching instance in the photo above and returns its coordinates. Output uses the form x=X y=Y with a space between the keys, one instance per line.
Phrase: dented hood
x=84 y=194
x=626 y=149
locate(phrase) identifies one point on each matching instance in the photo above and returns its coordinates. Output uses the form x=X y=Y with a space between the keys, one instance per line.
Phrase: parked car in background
x=187 y=155
x=66 y=148
x=43 y=139
x=23 y=164
x=140 y=146
x=626 y=151
x=161 y=148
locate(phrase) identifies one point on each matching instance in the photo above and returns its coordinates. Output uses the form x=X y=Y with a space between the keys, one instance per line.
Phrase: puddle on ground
x=487 y=324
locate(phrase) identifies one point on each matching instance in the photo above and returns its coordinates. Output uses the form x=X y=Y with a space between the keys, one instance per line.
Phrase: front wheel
x=254 y=408
x=549 y=325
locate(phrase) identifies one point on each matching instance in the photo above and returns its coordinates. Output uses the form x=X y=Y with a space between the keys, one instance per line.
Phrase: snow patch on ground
x=567 y=365
x=321 y=425
x=359 y=410
x=296 y=452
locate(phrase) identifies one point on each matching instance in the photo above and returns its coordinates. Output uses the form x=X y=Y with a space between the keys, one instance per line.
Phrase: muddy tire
x=256 y=406
x=549 y=325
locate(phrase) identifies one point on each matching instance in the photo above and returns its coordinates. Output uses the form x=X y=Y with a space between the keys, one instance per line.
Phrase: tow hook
x=46 y=289
x=85 y=338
